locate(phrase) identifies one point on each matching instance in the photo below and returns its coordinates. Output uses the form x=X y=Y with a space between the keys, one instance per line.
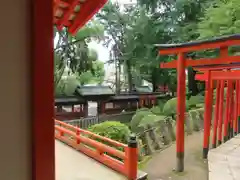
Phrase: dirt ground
x=161 y=166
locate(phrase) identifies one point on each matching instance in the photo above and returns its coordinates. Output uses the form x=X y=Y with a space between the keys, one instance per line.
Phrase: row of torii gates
x=223 y=72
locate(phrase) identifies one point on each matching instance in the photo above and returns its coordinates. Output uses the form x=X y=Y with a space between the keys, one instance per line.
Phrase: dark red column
x=236 y=107
x=216 y=115
x=43 y=154
x=221 y=104
x=181 y=107
x=207 y=114
x=227 y=110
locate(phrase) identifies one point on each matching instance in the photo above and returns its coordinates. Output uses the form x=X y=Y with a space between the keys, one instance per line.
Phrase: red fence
x=95 y=146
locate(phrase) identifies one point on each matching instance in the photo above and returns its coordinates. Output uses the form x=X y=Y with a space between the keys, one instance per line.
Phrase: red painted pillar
x=181 y=107
x=227 y=109
x=221 y=104
x=235 y=126
x=231 y=112
x=238 y=105
x=207 y=114
x=41 y=35
x=238 y=101
x=216 y=115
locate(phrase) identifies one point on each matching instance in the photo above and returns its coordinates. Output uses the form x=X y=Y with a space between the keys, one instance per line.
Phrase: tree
x=221 y=18
x=73 y=52
x=181 y=19
x=97 y=77
x=132 y=34
x=115 y=23
x=133 y=30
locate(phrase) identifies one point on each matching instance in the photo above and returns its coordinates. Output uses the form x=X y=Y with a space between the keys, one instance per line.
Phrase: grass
x=143 y=163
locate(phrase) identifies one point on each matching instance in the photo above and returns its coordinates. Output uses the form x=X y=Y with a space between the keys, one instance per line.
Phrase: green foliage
x=194 y=100
x=200 y=105
x=150 y=119
x=113 y=130
x=73 y=52
x=71 y=85
x=221 y=18
x=96 y=76
x=136 y=119
x=142 y=109
x=156 y=110
x=170 y=107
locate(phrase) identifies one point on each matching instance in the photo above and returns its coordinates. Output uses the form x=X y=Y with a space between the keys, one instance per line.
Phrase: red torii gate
x=222 y=43
x=231 y=122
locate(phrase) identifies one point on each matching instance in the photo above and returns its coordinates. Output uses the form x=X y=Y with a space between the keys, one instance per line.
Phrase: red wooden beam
x=87 y=11
x=217 y=67
x=67 y=14
x=219 y=75
x=197 y=47
x=203 y=61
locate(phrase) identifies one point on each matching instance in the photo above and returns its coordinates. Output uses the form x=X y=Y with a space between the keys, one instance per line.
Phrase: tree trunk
x=118 y=67
x=192 y=83
x=129 y=75
x=154 y=79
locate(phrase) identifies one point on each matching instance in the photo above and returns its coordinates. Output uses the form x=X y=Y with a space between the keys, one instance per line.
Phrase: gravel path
x=161 y=166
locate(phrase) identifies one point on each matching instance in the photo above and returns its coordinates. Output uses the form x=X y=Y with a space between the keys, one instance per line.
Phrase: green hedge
x=170 y=108
x=150 y=120
x=113 y=130
x=136 y=119
x=194 y=100
x=156 y=110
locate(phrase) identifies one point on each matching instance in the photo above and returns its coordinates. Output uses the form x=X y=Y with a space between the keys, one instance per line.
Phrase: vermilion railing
x=124 y=162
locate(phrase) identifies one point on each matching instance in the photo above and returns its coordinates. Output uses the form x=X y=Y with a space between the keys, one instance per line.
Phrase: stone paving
x=72 y=165
x=224 y=161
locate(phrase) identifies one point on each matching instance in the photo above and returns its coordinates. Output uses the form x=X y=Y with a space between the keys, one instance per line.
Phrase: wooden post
x=181 y=107
x=207 y=114
x=132 y=158
x=85 y=109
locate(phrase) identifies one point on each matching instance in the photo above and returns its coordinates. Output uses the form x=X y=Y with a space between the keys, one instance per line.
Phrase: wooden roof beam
x=203 y=61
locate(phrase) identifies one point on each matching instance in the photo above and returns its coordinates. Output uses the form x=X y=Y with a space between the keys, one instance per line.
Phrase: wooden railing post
x=78 y=134
x=132 y=158
x=61 y=133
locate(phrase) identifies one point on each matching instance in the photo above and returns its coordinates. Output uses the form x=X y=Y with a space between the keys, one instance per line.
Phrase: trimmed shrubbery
x=113 y=130
x=170 y=107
